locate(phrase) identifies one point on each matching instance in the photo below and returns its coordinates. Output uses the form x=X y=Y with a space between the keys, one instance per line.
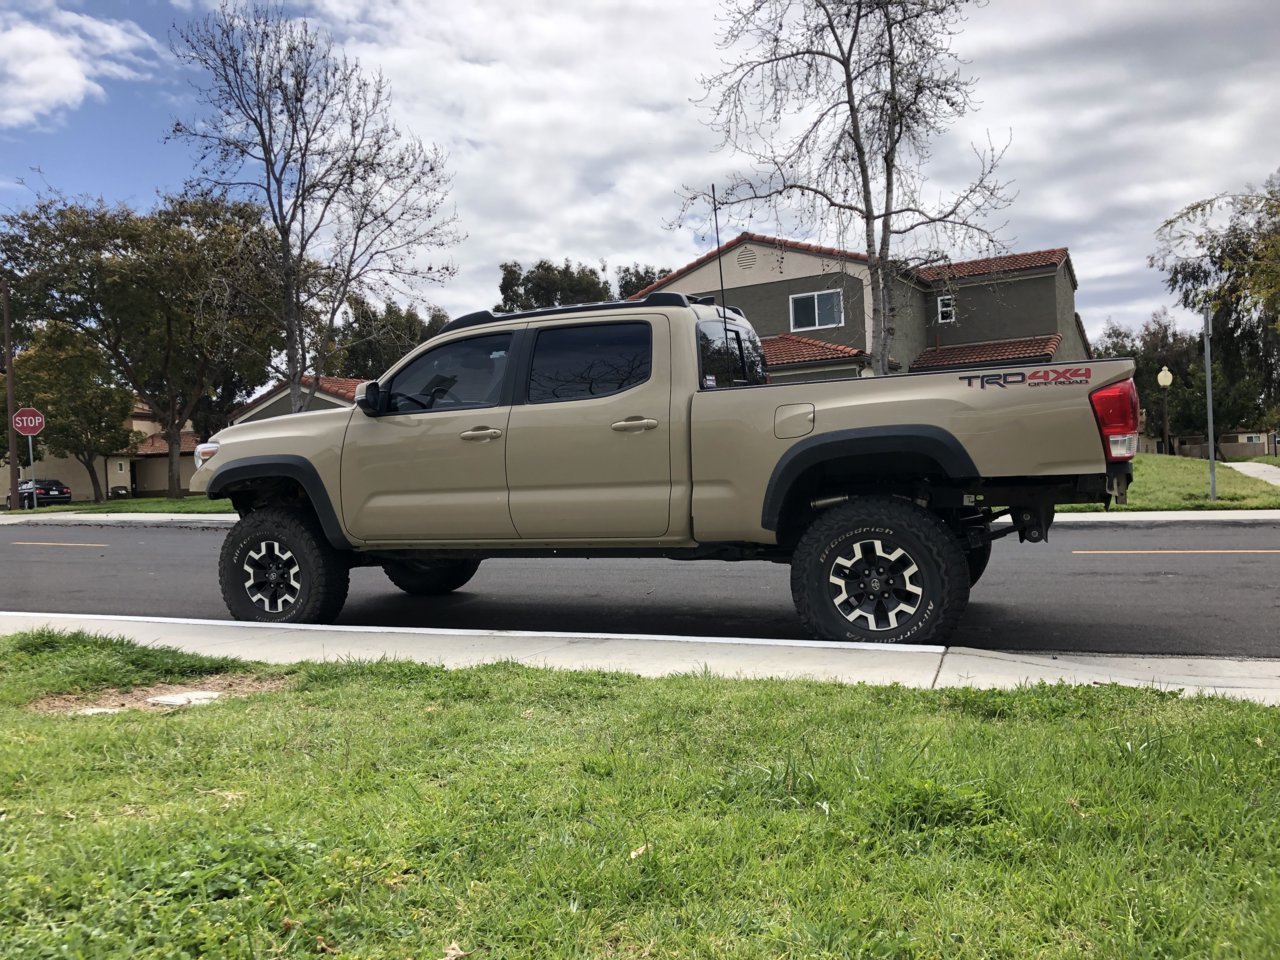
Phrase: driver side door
x=432 y=466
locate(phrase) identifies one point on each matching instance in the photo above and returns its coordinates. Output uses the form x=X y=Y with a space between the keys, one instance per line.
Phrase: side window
x=730 y=356
x=577 y=363
x=459 y=375
x=947 y=309
x=810 y=311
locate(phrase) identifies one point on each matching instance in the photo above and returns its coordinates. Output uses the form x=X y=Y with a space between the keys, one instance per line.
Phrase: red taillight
x=1116 y=410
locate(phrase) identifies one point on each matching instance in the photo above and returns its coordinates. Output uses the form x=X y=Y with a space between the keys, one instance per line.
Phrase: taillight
x=1116 y=410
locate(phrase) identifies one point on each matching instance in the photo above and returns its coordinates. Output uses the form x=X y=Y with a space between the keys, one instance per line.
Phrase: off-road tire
x=430 y=578
x=312 y=580
x=977 y=560
x=913 y=559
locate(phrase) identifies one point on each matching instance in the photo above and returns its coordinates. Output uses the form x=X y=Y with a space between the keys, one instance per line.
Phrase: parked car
x=46 y=492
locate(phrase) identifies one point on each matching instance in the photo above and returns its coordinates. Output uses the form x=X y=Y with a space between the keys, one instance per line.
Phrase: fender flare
x=916 y=438
x=290 y=467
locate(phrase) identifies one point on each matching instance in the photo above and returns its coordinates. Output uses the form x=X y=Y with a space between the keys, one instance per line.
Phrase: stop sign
x=28 y=421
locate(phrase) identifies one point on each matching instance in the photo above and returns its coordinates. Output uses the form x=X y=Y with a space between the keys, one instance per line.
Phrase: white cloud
x=55 y=59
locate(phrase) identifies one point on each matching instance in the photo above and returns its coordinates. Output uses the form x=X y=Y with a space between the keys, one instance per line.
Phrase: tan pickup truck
x=650 y=429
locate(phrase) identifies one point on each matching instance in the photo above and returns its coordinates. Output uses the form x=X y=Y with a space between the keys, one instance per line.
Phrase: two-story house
x=811 y=307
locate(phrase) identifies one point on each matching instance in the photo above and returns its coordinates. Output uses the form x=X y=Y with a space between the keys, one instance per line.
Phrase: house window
x=1253 y=438
x=811 y=311
x=946 y=309
x=119 y=466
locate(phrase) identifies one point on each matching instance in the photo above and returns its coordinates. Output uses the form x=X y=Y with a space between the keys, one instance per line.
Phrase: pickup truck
x=651 y=429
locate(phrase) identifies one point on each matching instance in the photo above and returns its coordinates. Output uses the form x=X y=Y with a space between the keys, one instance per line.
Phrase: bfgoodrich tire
x=880 y=570
x=429 y=578
x=277 y=567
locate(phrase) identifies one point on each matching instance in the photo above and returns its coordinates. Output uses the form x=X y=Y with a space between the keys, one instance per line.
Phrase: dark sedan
x=46 y=492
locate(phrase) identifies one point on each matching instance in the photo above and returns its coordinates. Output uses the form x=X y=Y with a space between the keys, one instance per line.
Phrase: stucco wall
x=768 y=306
x=153 y=475
x=1003 y=310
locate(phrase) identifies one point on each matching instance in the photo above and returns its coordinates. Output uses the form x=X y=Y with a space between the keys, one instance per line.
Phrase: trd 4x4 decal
x=1061 y=377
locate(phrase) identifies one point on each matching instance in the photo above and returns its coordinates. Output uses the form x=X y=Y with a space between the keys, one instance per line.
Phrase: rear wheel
x=276 y=566
x=427 y=578
x=880 y=570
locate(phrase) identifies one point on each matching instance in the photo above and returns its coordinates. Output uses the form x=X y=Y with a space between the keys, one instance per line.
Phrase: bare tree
x=297 y=126
x=835 y=105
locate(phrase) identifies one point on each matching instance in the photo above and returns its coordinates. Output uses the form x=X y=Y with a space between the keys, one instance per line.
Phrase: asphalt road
x=1051 y=596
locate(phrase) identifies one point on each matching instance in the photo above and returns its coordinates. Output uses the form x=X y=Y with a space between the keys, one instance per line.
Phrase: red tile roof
x=789 y=348
x=989 y=353
x=157 y=446
x=343 y=388
x=1035 y=260
x=1012 y=263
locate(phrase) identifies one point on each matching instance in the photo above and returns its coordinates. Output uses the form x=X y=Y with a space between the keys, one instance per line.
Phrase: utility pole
x=11 y=398
x=1208 y=392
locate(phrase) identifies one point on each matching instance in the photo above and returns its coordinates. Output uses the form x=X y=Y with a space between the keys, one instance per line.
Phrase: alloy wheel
x=875 y=587
x=273 y=576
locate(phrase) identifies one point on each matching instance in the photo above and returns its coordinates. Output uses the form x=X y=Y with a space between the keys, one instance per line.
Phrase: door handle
x=481 y=434
x=634 y=425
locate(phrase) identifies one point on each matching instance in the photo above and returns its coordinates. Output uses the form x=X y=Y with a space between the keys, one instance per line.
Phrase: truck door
x=433 y=466
x=589 y=442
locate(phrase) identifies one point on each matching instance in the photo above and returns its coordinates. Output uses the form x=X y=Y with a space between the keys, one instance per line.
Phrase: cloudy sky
x=569 y=124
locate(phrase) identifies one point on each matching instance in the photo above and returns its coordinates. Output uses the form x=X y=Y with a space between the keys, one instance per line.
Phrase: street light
x=1165 y=379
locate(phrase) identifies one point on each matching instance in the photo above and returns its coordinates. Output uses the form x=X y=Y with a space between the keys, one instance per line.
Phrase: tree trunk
x=173 y=436
x=93 y=477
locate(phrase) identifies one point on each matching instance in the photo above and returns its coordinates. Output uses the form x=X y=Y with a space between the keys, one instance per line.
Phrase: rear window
x=730 y=355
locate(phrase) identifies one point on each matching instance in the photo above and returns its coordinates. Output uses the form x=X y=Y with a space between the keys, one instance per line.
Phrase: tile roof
x=1034 y=260
x=989 y=353
x=157 y=446
x=788 y=348
x=960 y=269
x=344 y=388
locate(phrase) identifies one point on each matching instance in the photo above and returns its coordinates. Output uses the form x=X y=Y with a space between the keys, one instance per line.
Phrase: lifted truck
x=650 y=429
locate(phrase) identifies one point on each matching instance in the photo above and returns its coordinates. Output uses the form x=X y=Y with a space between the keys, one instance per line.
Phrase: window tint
x=575 y=363
x=458 y=375
x=812 y=310
x=731 y=356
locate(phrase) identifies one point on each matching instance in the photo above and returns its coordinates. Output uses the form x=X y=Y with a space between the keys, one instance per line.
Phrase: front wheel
x=429 y=578
x=880 y=570
x=276 y=566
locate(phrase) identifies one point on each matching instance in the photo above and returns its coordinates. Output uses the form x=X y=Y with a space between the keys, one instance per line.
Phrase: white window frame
x=946 y=308
x=1253 y=438
x=791 y=309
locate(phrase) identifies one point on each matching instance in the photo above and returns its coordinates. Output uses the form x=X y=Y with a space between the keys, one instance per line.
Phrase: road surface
x=1075 y=593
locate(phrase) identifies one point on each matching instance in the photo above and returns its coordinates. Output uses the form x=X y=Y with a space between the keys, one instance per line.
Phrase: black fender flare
x=290 y=467
x=917 y=438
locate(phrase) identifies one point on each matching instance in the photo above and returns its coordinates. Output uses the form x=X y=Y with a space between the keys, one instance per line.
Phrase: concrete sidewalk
x=925 y=667
x=1113 y=518
x=1260 y=471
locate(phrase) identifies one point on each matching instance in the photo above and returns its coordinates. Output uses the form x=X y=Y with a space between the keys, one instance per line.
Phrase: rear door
x=589 y=441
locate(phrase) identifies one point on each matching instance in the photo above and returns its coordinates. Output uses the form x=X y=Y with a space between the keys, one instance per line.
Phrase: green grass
x=1274 y=461
x=386 y=810
x=1181 y=483
x=190 y=504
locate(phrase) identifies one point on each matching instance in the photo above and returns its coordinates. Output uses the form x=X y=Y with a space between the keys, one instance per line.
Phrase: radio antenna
x=724 y=313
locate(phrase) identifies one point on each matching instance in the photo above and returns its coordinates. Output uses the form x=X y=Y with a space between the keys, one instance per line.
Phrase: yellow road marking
x=1132 y=552
x=54 y=543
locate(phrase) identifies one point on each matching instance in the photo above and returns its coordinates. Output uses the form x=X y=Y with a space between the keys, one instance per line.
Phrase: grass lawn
x=191 y=504
x=1274 y=461
x=392 y=810
x=1180 y=483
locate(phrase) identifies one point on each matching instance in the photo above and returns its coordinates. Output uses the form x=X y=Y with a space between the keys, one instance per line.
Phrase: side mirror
x=370 y=398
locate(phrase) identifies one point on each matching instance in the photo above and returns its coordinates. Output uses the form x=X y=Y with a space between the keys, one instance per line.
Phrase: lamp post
x=1165 y=379
x=1208 y=395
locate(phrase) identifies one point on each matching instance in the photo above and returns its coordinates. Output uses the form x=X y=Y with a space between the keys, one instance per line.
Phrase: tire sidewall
x=245 y=537
x=838 y=541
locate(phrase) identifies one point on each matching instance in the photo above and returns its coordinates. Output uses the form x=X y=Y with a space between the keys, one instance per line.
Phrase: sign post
x=29 y=422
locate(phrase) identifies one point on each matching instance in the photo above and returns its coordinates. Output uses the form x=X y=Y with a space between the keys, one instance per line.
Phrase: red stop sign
x=28 y=421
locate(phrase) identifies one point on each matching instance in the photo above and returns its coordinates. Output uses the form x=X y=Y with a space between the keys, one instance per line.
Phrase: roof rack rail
x=662 y=298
